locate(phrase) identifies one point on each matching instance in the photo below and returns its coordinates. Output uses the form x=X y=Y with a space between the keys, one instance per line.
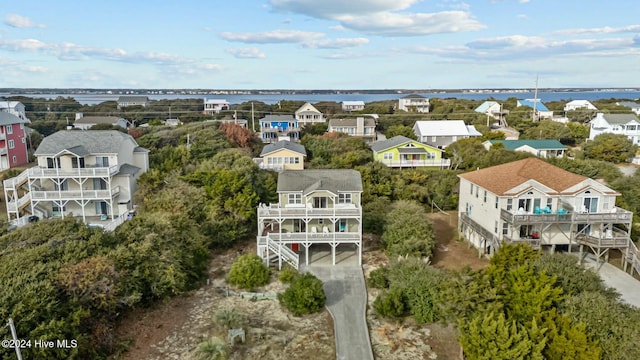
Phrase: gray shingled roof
x=389 y=143
x=283 y=144
x=128 y=169
x=279 y=118
x=98 y=120
x=619 y=118
x=630 y=104
x=8 y=118
x=334 y=180
x=351 y=122
x=93 y=141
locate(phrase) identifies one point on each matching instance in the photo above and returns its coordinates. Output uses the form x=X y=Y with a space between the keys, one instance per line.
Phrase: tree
x=248 y=272
x=408 y=231
x=401 y=130
x=391 y=303
x=547 y=129
x=305 y=295
x=615 y=148
x=493 y=337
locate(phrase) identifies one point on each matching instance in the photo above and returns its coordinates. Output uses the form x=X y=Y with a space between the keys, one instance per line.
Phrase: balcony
x=74 y=194
x=320 y=237
x=616 y=216
x=443 y=163
x=300 y=211
x=46 y=173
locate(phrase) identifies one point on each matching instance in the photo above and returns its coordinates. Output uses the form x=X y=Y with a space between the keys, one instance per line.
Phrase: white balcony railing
x=319 y=237
x=75 y=194
x=40 y=172
x=417 y=163
x=275 y=210
x=13 y=182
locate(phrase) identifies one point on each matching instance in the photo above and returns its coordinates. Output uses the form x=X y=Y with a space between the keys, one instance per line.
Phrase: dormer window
x=295 y=199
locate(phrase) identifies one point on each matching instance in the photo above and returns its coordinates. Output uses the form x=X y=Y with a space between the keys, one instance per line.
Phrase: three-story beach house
x=315 y=207
x=90 y=175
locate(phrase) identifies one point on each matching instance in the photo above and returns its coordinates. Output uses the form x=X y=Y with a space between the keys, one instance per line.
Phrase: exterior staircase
x=271 y=250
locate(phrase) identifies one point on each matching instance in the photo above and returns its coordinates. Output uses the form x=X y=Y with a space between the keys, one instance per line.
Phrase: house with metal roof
x=349 y=106
x=361 y=126
x=414 y=103
x=534 y=202
x=579 y=104
x=90 y=175
x=442 y=133
x=540 y=110
x=402 y=152
x=130 y=100
x=623 y=124
x=540 y=148
x=274 y=128
x=282 y=155
x=316 y=210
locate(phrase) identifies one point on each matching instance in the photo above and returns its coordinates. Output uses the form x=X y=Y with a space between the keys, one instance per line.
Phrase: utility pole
x=16 y=342
x=535 y=100
x=253 y=122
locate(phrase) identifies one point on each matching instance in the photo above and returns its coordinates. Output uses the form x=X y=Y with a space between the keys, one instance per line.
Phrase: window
x=496 y=202
x=387 y=155
x=495 y=227
x=549 y=201
x=75 y=162
x=505 y=228
x=509 y=204
x=471 y=189
x=434 y=139
x=14 y=159
x=9 y=129
x=24 y=140
x=11 y=144
x=53 y=163
x=485 y=196
x=606 y=204
x=320 y=221
x=344 y=198
x=102 y=161
x=295 y=198
x=56 y=208
x=431 y=155
x=60 y=184
x=477 y=191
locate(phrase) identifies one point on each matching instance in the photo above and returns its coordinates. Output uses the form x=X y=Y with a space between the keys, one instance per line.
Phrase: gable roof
x=484 y=107
x=536 y=144
x=619 y=118
x=368 y=122
x=529 y=102
x=8 y=118
x=278 y=118
x=390 y=143
x=130 y=98
x=307 y=107
x=501 y=178
x=333 y=180
x=445 y=128
x=630 y=104
x=283 y=144
x=580 y=103
x=84 y=142
x=354 y=103
x=98 y=120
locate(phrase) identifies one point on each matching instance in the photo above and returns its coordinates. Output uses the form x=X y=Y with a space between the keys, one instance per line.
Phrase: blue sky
x=319 y=44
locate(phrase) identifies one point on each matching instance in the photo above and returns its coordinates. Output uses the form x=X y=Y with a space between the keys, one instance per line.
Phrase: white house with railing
x=314 y=207
x=90 y=175
x=534 y=202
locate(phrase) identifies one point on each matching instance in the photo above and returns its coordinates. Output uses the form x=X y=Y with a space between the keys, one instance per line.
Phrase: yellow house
x=400 y=151
x=283 y=155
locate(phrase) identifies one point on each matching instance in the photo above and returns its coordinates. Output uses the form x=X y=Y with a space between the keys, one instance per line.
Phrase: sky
x=320 y=44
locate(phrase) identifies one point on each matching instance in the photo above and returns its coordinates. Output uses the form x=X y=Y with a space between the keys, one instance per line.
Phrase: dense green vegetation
x=304 y=295
x=248 y=272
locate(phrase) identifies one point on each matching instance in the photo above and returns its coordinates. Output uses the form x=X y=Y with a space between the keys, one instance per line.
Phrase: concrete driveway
x=625 y=284
x=346 y=294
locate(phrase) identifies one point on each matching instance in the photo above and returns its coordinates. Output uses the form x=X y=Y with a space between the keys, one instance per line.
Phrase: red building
x=13 y=141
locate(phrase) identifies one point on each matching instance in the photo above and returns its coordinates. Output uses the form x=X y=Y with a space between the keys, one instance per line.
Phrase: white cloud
x=337 y=28
x=18 y=21
x=602 y=30
x=382 y=17
x=339 y=43
x=246 y=53
x=272 y=37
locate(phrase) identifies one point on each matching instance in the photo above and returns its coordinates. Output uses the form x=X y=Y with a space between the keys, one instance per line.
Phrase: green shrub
x=229 y=318
x=378 y=278
x=287 y=274
x=305 y=295
x=391 y=303
x=212 y=349
x=248 y=272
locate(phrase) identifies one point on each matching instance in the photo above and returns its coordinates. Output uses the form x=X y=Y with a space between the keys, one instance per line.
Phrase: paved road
x=347 y=302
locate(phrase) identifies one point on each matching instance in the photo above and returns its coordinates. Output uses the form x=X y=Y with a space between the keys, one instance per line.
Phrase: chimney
x=359 y=126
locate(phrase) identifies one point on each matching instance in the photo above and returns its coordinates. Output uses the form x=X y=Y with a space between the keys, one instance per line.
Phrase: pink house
x=13 y=141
